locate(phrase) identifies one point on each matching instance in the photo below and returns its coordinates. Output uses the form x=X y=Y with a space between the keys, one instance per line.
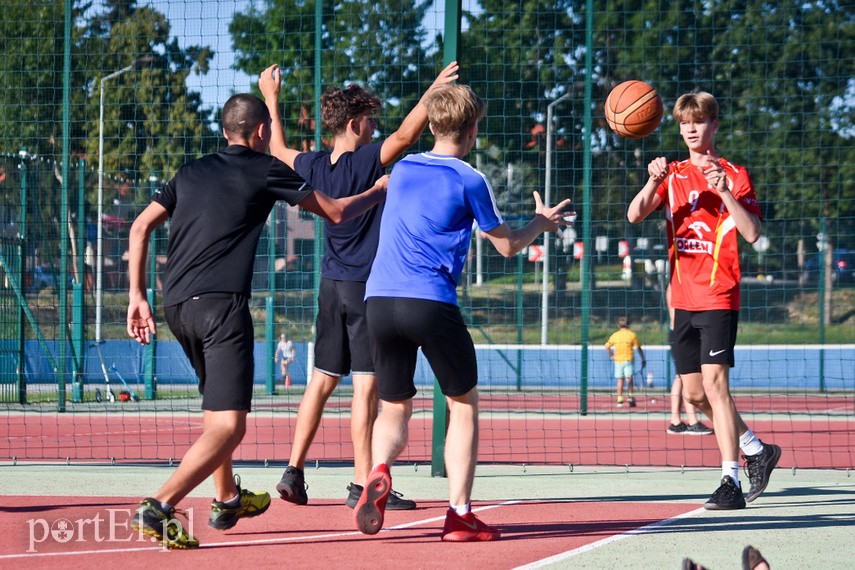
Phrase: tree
x=380 y=46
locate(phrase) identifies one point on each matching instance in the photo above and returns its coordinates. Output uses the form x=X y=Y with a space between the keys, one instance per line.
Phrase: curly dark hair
x=338 y=106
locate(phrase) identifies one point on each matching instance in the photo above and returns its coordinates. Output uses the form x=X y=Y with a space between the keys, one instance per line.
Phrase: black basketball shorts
x=215 y=331
x=703 y=337
x=341 y=331
x=400 y=326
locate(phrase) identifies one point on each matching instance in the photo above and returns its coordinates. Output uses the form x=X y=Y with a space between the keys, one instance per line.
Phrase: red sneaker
x=467 y=528
x=368 y=514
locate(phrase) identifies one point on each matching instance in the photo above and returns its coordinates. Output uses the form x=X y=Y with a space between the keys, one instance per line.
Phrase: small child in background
x=624 y=341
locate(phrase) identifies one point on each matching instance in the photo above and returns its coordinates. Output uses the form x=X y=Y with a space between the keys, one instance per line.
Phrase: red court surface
x=87 y=532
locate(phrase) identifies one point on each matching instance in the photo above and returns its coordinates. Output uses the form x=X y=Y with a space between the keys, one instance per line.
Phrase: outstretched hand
x=270 y=82
x=554 y=216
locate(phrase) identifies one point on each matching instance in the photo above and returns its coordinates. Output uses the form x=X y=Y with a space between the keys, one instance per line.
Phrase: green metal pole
x=20 y=377
x=519 y=319
x=821 y=294
x=150 y=350
x=318 y=251
x=63 y=249
x=77 y=298
x=270 y=315
x=451 y=39
x=586 y=207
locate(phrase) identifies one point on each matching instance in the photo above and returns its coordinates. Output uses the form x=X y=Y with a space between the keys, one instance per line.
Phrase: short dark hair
x=623 y=322
x=338 y=106
x=242 y=114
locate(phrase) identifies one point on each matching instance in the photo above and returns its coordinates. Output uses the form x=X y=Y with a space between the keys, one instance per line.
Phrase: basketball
x=633 y=109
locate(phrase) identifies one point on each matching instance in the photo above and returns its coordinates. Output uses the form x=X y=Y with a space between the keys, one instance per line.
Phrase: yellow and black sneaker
x=151 y=520
x=225 y=515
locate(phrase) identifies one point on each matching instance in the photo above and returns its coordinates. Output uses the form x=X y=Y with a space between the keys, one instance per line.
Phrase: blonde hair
x=695 y=106
x=452 y=109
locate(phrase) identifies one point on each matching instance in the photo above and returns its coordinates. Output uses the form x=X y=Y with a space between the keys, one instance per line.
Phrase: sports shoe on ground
x=151 y=520
x=292 y=487
x=698 y=429
x=751 y=558
x=620 y=402
x=632 y=402
x=679 y=428
x=369 y=510
x=759 y=467
x=466 y=528
x=727 y=497
x=224 y=517
x=395 y=502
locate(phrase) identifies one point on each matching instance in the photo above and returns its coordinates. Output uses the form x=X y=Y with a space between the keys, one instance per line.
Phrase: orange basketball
x=633 y=109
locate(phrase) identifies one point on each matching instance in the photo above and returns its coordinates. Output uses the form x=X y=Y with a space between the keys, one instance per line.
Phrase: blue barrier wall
x=757 y=367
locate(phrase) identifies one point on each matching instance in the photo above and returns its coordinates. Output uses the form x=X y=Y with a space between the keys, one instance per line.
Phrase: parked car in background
x=842 y=267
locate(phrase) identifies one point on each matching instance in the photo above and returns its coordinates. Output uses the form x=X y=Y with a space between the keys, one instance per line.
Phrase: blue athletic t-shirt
x=350 y=246
x=431 y=203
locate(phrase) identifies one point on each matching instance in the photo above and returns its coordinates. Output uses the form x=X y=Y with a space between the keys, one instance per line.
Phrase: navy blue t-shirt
x=350 y=246
x=218 y=206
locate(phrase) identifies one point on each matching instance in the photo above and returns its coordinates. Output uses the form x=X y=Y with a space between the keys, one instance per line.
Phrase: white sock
x=461 y=509
x=731 y=469
x=750 y=444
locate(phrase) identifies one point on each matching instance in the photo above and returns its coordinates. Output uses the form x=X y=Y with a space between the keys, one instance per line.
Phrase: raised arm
x=140 y=319
x=414 y=123
x=509 y=242
x=338 y=210
x=270 y=83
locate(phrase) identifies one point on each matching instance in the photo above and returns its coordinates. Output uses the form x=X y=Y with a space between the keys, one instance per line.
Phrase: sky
x=206 y=22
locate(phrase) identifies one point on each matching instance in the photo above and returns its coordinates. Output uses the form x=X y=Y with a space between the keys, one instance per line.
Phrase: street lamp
x=547 y=197
x=99 y=253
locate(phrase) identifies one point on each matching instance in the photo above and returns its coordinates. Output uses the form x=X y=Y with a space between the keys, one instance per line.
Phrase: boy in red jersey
x=707 y=200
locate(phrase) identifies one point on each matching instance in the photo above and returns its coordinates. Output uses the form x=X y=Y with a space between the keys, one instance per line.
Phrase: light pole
x=99 y=251
x=547 y=197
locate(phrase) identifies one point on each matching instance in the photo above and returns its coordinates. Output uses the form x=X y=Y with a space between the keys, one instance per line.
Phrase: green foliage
x=380 y=48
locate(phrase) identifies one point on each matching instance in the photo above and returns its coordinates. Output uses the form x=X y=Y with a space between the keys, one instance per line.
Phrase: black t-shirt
x=218 y=205
x=350 y=246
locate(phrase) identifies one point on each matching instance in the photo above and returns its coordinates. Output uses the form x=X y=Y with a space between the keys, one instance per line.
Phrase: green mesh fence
x=81 y=153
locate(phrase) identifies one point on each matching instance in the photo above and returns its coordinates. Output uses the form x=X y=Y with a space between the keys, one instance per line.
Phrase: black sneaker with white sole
x=292 y=487
x=727 y=497
x=759 y=468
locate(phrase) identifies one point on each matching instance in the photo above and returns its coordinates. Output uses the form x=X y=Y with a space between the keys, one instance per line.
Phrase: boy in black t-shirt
x=341 y=343
x=218 y=205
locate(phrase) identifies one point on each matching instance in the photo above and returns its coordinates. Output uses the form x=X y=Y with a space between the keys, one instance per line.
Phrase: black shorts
x=703 y=337
x=215 y=331
x=399 y=326
x=341 y=331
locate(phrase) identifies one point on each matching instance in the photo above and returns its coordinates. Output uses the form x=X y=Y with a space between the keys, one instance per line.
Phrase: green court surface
x=805 y=519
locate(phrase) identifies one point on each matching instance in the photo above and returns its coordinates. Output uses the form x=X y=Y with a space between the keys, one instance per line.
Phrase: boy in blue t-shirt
x=411 y=294
x=341 y=342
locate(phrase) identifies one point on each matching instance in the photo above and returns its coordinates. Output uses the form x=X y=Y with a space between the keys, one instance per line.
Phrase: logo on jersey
x=688 y=245
x=699 y=228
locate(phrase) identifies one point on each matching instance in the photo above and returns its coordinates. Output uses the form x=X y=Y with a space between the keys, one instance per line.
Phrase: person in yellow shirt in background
x=623 y=341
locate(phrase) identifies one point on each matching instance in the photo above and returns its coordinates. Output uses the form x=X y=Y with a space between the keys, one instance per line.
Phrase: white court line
x=277 y=540
x=594 y=545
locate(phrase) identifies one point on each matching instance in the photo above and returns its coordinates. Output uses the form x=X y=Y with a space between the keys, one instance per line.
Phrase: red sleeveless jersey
x=702 y=236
